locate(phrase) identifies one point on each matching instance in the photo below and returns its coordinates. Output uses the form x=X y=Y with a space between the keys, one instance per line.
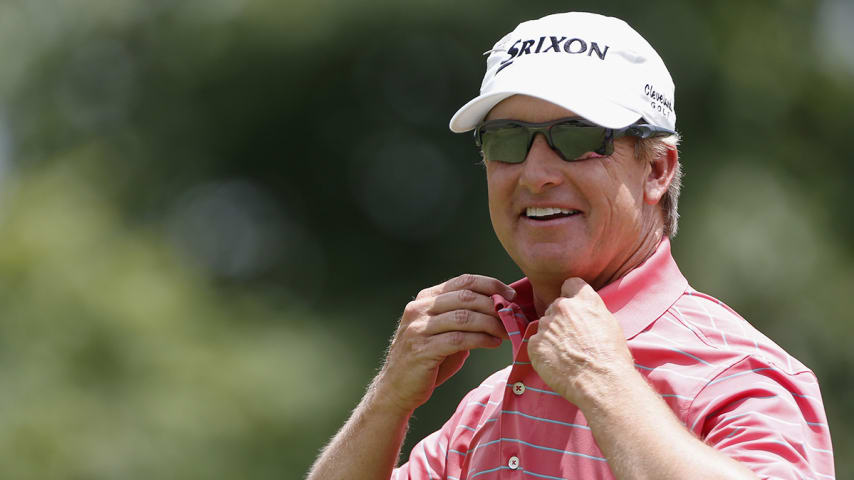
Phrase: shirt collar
x=636 y=299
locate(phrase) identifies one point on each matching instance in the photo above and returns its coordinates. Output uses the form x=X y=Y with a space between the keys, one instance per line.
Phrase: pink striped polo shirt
x=729 y=384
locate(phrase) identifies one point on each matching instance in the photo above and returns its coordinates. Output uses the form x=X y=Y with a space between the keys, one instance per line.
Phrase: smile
x=548 y=213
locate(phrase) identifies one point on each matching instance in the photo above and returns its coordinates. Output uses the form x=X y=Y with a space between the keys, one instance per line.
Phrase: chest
x=524 y=430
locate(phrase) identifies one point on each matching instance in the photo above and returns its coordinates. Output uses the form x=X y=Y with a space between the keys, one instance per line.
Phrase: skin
x=579 y=349
x=620 y=224
x=434 y=337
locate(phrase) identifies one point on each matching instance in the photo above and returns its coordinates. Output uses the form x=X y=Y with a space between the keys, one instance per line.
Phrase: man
x=620 y=369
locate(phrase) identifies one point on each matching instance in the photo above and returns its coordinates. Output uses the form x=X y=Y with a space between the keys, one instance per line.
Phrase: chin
x=551 y=266
x=555 y=253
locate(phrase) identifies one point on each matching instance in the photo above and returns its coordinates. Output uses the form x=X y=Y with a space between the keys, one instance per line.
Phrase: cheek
x=630 y=203
x=498 y=195
x=600 y=186
x=615 y=192
x=493 y=211
x=499 y=187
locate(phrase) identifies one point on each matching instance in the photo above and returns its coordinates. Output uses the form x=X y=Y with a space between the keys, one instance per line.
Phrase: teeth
x=544 y=212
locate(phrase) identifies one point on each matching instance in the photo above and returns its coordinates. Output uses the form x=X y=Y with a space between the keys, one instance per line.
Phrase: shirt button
x=513 y=463
x=518 y=388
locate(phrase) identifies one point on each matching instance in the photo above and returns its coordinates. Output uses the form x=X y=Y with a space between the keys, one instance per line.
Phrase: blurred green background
x=212 y=212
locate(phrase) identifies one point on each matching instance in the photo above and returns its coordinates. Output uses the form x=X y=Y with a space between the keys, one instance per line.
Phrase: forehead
x=527 y=109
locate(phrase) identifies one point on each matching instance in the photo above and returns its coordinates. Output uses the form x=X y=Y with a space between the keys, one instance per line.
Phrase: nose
x=541 y=169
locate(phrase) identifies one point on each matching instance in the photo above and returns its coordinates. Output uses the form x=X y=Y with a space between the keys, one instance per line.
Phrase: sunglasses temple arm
x=643 y=131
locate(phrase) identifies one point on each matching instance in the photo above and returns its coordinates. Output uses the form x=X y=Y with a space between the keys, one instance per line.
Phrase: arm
x=768 y=415
x=580 y=352
x=642 y=438
x=368 y=443
x=434 y=337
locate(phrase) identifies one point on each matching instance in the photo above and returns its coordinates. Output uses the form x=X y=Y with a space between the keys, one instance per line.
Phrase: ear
x=662 y=169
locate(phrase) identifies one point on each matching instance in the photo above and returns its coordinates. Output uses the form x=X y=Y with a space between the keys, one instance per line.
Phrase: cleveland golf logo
x=659 y=102
x=573 y=46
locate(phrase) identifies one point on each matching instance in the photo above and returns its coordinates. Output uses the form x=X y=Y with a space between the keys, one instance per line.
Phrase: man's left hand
x=579 y=349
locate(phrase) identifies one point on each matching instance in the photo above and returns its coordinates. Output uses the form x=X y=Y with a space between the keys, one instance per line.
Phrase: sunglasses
x=508 y=141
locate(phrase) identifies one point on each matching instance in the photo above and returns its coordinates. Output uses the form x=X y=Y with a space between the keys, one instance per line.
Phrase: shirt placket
x=519 y=330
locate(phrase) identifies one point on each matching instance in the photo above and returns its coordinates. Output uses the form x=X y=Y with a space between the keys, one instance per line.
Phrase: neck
x=547 y=289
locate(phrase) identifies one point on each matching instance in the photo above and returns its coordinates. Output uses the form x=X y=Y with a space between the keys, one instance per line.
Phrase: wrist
x=601 y=390
x=382 y=398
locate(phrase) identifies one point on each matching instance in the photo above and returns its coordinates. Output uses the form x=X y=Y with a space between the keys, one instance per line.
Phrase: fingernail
x=512 y=294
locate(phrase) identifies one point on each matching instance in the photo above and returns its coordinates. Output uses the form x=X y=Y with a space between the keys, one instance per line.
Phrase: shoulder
x=700 y=340
x=701 y=327
x=724 y=330
x=735 y=388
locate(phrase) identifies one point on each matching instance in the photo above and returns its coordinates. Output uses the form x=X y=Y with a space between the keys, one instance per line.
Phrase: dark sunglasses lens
x=574 y=141
x=506 y=145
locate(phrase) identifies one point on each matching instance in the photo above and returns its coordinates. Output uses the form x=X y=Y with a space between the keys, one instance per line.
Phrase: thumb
x=572 y=286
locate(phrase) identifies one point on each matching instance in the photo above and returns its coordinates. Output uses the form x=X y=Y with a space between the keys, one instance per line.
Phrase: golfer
x=620 y=369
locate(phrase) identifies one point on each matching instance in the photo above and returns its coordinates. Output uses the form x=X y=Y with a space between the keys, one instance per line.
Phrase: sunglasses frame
x=639 y=130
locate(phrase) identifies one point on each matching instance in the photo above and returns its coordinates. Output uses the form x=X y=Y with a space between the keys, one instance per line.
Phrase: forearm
x=642 y=438
x=367 y=446
x=435 y=334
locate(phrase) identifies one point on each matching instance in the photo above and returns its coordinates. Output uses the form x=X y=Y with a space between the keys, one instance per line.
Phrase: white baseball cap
x=596 y=66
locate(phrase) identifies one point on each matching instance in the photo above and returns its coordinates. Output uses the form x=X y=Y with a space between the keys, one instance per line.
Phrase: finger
x=462 y=300
x=573 y=286
x=476 y=283
x=466 y=321
x=449 y=343
x=578 y=289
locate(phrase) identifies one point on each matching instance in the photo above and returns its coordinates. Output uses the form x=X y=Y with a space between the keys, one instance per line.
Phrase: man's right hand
x=434 y=337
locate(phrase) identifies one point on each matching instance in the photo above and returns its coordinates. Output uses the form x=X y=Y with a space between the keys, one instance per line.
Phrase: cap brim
x=583 y=96
x=606 y=114
x=473 y=112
